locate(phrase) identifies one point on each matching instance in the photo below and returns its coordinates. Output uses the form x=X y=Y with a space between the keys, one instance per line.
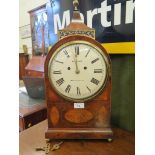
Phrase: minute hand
x=77 y=71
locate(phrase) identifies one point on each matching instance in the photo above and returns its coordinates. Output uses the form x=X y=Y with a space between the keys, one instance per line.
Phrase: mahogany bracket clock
x=78 y=85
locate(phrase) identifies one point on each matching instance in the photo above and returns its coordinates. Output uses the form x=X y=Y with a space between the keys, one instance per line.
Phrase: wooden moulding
x=75 y=133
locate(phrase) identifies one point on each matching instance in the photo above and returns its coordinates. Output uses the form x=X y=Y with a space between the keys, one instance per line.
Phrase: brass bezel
x=107 y=70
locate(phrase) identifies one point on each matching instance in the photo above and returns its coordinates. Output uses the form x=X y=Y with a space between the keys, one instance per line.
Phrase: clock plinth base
x=74 y=133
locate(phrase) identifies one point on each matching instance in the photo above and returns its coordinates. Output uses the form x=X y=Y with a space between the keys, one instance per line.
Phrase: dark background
x=119 y=33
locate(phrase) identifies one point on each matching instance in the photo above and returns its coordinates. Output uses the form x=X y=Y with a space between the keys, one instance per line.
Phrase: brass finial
x=75 y=4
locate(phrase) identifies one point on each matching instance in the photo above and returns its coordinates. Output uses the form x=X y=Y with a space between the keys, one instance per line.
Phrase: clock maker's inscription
x=78 y=71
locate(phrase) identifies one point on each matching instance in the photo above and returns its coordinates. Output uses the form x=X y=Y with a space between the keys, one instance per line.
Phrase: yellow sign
x=120 y=47
x=117 y=48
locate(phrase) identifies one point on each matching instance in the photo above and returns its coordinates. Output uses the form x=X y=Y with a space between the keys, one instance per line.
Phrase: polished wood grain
x=94 y=118
x=35 y=67
x=23 y=61
x=29 y=116
x=122 y=144
x=25 y=111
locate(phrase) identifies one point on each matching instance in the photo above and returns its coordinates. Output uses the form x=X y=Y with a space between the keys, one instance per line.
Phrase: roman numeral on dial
x=67 y=90
x=78 y=91
x=95 y=60
x=66 y=53
x=60 y=81
x=94 y=81
x=59 y=61
x=88 y=53
x=98 y=70
x=88 y=89
x=56 y=72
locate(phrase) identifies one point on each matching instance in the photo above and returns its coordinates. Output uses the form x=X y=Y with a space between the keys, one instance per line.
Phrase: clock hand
x=77 y=71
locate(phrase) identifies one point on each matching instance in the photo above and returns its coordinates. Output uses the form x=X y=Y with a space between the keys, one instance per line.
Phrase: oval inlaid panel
x=54 y=116
x=78 y=116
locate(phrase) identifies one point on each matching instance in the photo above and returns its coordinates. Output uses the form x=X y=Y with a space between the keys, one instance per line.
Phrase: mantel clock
x=78 y=84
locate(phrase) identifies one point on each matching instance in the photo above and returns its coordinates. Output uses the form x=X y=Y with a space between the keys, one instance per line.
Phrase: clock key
x=40 y=149
x=46 y=148
x=56 y=146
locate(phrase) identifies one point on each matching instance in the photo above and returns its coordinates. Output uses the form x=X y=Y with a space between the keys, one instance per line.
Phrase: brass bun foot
x=109 y=139
x=47 y=140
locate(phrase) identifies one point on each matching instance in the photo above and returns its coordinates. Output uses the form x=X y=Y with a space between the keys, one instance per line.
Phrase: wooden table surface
x=122 y=144
x=25 y=111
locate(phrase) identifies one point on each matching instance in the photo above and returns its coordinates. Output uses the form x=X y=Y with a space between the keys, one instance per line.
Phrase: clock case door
x=66 y=122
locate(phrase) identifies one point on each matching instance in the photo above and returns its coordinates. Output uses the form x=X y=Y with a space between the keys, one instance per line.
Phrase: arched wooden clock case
x=67 y=122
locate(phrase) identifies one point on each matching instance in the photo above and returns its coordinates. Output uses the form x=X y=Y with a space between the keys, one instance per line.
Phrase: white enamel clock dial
x=78 y=71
